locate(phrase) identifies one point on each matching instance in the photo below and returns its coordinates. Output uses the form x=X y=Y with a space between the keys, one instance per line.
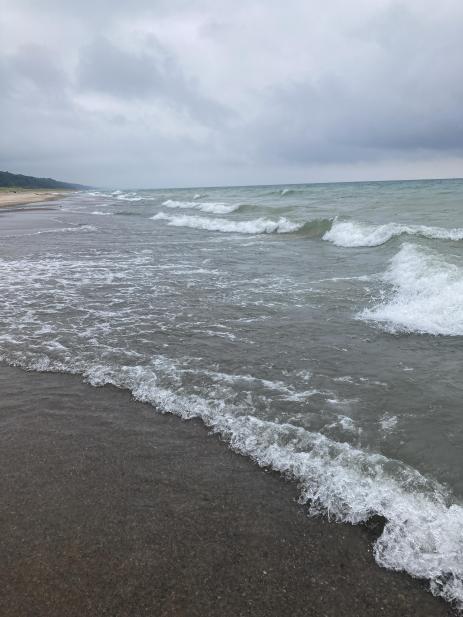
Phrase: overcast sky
x=153 y=93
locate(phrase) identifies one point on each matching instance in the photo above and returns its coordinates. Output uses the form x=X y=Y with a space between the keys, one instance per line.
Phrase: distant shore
x=110 y=508
x=21 y=197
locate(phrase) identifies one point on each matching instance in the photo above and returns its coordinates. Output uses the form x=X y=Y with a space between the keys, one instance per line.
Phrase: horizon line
x=315 y=182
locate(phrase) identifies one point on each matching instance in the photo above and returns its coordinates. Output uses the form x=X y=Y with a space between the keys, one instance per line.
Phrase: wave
x=354 y=234
x=128 y=213
x=283 y=192
x=423 y=533
x=316 y=228
x=119 y=195
x=97 y=194
x=213 y=208
x=99 y=213
x=262 y=210
x=426 y=295
x=77 y=228
x=256 y=226
x=128 y=198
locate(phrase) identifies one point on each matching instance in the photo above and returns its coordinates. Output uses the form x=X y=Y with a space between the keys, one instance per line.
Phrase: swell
x=316 y=228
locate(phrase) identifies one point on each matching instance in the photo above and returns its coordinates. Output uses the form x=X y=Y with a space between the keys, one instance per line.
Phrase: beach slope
x=110 y=508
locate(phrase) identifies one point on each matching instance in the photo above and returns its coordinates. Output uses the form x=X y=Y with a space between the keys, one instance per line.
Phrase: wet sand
x=110 y=508
x=22 y=197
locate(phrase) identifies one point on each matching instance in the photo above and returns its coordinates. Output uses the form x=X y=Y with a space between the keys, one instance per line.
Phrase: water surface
x=317 y=327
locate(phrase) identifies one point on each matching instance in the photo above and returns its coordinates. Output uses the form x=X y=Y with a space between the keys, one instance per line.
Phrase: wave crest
x=255 y=226
x=426 y=296
x=211 y=207
x=352 y=234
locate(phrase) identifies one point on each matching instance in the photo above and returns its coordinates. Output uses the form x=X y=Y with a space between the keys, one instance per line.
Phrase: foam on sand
x=423 y=534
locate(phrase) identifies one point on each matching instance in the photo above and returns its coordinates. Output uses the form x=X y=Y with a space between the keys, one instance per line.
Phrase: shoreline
x=23 y=197
x=110 y=507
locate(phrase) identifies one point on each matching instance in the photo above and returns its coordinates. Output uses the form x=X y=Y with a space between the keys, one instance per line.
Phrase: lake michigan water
x=317 y=328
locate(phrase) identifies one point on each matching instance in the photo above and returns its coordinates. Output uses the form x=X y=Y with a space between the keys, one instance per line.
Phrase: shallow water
x=317 y=327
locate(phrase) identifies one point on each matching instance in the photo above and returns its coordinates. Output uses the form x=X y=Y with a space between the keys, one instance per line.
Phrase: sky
x=158 y=93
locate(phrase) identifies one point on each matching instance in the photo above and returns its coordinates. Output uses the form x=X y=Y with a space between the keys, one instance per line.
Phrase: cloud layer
x=192 y=93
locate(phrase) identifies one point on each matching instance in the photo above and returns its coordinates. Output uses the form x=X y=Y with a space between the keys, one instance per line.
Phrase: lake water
x=318 y=328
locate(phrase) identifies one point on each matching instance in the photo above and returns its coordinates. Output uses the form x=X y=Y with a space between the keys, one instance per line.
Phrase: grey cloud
x=175 y=92
x=407 y=103
x=32 y=70
x=106 y=68
x=152 y=73
x=37 y=64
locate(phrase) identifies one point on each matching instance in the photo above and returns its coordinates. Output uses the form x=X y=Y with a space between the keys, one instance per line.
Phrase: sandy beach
x=22 y=197
x=110 y=508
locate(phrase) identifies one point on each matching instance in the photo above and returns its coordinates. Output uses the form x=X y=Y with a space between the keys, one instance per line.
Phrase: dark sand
x=109 y=508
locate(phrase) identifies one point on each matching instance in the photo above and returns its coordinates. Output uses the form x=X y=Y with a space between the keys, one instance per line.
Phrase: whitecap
x=210 y=207
x=255 y=226
x=354 y=234
x=426 y=294
x=128 y=198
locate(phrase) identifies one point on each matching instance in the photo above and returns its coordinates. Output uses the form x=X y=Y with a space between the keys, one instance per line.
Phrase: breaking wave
x=213 y=208
x=354 y=234
x=120 y=196
x=341 y=233
x=426 y=294
x=262 y=225
x=256 y=226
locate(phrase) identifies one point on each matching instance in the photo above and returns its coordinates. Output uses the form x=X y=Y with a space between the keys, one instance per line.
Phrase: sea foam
x=355 y=234
x=426 y=294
